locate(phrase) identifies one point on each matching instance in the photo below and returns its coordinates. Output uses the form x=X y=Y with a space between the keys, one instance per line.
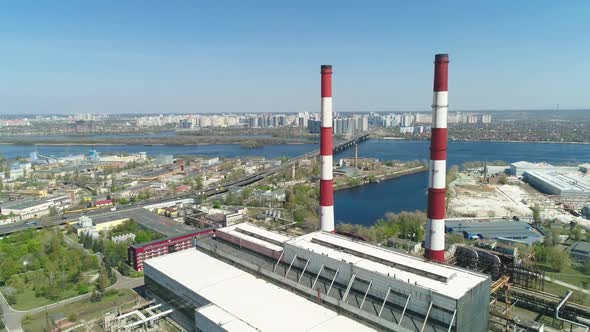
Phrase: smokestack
x=326 y=178
x=435 y=229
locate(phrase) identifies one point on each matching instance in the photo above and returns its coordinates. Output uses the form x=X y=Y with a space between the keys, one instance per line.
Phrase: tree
x=576 y=233
x=72 y=316
x=199 y=182
x=103 y=279
x=558 y=259
x=96 y=296
x=53 y=211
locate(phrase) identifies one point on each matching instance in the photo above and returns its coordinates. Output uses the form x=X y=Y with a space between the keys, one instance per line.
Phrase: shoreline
x=385 y=177
x=476 y=141
x=118 y=142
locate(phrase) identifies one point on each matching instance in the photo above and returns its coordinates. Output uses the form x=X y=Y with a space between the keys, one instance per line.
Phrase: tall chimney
x=326 y=178
x=435 y=229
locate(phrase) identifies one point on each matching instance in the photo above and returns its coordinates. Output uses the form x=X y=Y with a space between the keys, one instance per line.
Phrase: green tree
x=103 y=279
x=558 y=259
x=199 y=182
x=53 y=211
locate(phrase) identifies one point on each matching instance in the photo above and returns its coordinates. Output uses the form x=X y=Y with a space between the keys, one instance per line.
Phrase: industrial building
x=520 y=167
x=381 y=288
x=555 y=183
x=445 y=295
x=138 y=253
x=34 y=208
x=580 y=252
x=208 y=294
x=504 y=231
x=254 y=238
x=145 y=218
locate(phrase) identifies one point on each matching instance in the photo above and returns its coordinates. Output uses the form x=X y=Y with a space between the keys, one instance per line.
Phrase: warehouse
x=145 y=218
x=211 y=301
x=520 y=167
x=580 y=252
x=34 y=208
x=506 y=231
x=554 y=183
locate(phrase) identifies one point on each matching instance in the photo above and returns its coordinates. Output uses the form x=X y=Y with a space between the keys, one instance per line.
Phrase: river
x=361 y=205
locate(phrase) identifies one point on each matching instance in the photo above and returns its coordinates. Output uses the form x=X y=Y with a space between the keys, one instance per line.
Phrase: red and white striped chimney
x=326 y=177
x=435 y=229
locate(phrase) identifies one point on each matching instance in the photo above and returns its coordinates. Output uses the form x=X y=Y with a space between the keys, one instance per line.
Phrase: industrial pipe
x=435 y=229
x=326 y=146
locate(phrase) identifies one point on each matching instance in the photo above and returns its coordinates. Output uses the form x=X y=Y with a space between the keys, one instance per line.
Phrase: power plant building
x=445 y=295
x=208 y=294
x=217 y=285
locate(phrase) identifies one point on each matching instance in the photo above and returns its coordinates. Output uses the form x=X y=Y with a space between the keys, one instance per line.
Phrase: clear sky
x=71 y=56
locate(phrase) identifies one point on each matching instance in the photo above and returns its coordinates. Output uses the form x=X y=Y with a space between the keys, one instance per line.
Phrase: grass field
x=558 y=290
x=571 y=276
x=84 y=310
x=27 y=299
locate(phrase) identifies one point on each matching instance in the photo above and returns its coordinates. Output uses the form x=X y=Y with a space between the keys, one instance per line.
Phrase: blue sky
x=72 y=56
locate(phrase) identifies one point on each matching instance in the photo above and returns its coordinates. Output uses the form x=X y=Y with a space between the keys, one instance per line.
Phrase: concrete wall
x=177 y=290
x=474 y=308
x=203 y=323
x=473 y=302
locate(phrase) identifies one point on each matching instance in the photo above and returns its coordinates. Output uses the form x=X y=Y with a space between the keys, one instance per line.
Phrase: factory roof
x=23 y=204
x=193 y=233
x=529 y=164
x=561 y=181
x=496 y=229
x=253 y=301
x=224 y=319
x=446 y=280
x=581 y=247
x=257 y=235
x=147 y=219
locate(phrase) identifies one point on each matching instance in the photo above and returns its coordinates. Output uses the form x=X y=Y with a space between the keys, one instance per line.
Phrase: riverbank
x=394 y=138
x=255 y=142
x=383 y=177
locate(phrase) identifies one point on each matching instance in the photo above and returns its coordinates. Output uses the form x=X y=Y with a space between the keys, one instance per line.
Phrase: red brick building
x=138 y=253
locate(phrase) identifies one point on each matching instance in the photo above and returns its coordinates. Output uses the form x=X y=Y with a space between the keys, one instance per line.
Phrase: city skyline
x=206 y=58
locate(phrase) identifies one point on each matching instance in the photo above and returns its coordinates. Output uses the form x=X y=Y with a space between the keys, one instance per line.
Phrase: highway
x=217 y=189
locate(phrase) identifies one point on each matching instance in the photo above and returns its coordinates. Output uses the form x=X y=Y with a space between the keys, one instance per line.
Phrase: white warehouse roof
x=443 y=279
x=244 y=302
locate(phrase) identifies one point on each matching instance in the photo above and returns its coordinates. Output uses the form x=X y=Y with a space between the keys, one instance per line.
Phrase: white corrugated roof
x=412 y=269
x=255 y=302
